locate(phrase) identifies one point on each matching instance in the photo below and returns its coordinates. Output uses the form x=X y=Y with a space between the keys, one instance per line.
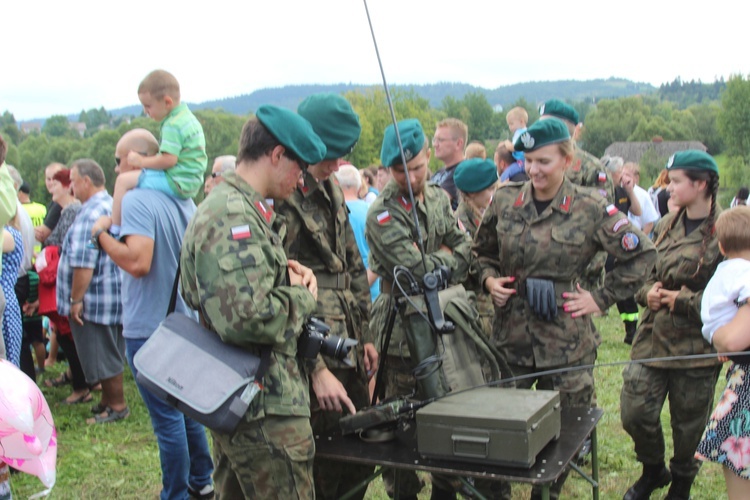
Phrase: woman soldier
x=476 y=180
x=688 y=256
x=533 y=245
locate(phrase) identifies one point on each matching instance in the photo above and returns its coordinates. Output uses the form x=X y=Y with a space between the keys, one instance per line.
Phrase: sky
x=62 y=57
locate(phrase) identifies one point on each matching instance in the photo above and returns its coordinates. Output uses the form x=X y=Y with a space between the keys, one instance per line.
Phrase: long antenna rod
x=400 y=145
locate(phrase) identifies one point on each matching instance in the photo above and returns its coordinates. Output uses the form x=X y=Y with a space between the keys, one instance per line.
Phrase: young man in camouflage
x=235 y=273
x=392 y=236
x=320 y=237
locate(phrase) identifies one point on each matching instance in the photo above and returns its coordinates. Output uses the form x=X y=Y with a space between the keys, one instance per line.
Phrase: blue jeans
x=183 y=447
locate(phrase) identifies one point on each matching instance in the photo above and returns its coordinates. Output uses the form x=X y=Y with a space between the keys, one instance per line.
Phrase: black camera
x=315 y=339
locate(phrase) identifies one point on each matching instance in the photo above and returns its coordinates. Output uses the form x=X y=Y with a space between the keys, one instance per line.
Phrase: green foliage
x=734 y=174
x=222 y=131
x=58 y=126
x=94 y=119
x=475 y=111
x=651 y=166
x=706 y=127
x=613 y=121
x=686 y=94
x=734 y=117
x=102 y=150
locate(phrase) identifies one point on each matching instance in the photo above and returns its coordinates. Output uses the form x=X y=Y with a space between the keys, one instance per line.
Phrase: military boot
x=680 y=488
x=654 y=476
x=630 y=327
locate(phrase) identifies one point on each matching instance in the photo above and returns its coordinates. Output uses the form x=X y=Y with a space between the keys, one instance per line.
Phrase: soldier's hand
x=498 y=290
x=668 y=297
x=301 y=275
x=330 y=392
x=580 y=302
x=653 y=297
x=371 y=359
x=445 y=248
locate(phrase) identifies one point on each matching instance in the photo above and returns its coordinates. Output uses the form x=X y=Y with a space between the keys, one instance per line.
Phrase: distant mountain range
x=534 y=92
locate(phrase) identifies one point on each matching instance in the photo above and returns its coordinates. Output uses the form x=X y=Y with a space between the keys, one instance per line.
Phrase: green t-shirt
x=182 y=136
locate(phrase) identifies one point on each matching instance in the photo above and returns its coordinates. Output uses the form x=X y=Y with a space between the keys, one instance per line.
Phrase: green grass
x=120 y=460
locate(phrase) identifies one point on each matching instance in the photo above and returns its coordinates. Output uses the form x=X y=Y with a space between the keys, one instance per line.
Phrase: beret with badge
x=542 y=133
x=692 y=159
x=335 y=122
x=293 y=132
x=412 y=139
x=559 y=109
x=474 y=175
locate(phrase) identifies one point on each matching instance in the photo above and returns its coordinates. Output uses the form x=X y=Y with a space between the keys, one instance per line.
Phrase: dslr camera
x=315 y=339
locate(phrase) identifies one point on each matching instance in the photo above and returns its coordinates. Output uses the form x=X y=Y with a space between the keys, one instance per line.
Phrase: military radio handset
x=379 y=416
x=434 y=281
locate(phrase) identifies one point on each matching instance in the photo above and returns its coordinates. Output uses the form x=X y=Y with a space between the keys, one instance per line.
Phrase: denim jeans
x=183 y=446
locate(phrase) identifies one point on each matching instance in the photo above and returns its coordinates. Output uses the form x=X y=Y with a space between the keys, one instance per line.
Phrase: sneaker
x=204 y=493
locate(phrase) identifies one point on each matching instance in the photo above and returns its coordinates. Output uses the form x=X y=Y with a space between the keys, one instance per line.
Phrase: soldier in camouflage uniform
x=320 y=237
x=392 y=236
x=534 y=243
x=235 y=273
x=476 y=181
x=671 y=326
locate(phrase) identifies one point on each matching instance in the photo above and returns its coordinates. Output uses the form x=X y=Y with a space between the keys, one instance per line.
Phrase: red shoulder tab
x=265 y=212
x=405 y=203
x=519 y=200
x=565 y=204
x=577 y=166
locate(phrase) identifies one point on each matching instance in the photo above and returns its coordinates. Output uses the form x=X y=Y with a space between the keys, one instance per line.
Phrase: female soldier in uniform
x=533 y=245
x=688 y=256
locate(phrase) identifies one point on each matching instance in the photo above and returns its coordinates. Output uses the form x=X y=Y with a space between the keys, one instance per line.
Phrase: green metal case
x=490 y=425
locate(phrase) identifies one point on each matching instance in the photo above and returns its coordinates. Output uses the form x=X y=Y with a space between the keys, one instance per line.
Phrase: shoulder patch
x=267 y=213
x=241 y=232
x=384 y=217
x=602 y=177
x=519 y=200
x=405 y=203
x=565 y=204
x=611 y=210
x=620 y=223
x=461 y=226
x=629 y=242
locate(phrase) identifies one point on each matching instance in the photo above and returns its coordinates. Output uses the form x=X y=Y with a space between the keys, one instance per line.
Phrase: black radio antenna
x=398 y=139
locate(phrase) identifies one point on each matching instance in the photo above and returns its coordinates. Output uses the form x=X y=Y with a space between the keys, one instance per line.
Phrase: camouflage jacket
x=391 y=234
x=234 y=271
x=663 y=333
x=588 y=172
x=320 y=236
x=556 y=245
x=468 y=221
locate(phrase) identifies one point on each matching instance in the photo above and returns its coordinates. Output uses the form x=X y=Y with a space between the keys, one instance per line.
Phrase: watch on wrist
x=95 y=238
x=74 y=302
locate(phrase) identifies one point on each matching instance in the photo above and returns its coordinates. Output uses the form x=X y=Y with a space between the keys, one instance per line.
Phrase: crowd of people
x=533 y=242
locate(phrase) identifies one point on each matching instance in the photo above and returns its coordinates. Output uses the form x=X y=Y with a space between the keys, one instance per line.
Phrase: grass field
x=120 y=461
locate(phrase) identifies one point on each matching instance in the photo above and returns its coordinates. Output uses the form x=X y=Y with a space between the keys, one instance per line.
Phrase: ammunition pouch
x=335 y=281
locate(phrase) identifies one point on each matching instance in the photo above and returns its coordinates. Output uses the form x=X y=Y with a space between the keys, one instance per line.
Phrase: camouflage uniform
x=689 y=384
x=234 y=271
x=320 y=236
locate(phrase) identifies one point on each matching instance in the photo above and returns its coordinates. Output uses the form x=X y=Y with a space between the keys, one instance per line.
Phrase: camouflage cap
x=412 y=139
x=475 y=174
x=335 y=122
x=559 y=109
x=293 y=132
x=692 y=159
x=542 y=133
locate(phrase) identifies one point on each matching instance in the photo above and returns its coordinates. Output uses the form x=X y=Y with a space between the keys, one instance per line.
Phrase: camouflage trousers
x=267 y=458
x=691 y=396
x=333 y=478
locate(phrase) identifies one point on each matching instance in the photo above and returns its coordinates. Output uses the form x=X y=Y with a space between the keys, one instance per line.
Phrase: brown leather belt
x=335 y=281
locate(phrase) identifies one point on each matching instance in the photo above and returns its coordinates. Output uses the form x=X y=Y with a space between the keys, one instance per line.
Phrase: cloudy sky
x=61 y=57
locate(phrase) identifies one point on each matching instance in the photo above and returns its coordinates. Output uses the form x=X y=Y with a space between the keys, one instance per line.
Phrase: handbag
x=189 y=367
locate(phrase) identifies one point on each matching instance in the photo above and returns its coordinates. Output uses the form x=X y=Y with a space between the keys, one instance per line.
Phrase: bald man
x=222 y=165
x=153 y=224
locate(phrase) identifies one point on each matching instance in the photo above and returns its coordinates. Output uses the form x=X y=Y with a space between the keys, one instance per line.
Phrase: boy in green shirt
x=178 y=168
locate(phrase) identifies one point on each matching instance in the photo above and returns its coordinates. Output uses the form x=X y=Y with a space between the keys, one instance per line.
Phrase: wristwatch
x=74 y=302
x=95 y=238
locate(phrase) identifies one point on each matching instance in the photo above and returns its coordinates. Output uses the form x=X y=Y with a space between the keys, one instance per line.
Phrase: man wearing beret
x=392 y=236
x=320 y=236
x=236 y=274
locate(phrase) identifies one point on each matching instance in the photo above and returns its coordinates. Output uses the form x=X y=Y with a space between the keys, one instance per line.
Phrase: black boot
x=441 y=494
x=654 y=476
x=680 y=488
x=630 y=327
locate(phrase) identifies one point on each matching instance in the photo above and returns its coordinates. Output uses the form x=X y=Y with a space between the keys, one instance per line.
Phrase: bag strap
x=265 y=351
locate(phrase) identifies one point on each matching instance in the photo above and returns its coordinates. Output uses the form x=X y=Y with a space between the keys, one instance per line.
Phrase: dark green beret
x=475 y=174
x=412 y=139
x=293 y=132
x=559 y=109
x=692 y=159
x=335 y=122
x=542 y=133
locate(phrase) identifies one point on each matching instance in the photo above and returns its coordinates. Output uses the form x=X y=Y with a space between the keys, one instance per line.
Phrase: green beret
x=475 y=174
x=542 y=133
x=412 y=139
x=293 y=132
x=559 y=109
x=692 y=159
x=335 y=122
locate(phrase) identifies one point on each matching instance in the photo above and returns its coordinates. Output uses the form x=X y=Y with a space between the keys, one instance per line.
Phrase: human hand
x=330 y=392
x=76 y=313
x=723 y=359
x=29 y=308
x=104 y=223
x=580 y=303
x=668 y=297
x=627 y=182
x=371 y=359
x=653 y=297
x=498 y=291
x=135 y=159
x=445 y=248
x=301 y=275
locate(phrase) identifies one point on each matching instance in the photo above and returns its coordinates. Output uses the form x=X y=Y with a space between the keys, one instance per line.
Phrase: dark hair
x=712 y=188
x=256 y=141
x=367 y=173
x=89 y=168
x=743 y=193
x=3 y=150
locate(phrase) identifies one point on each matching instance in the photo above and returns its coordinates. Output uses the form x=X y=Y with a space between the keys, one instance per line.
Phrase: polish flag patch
x=384 y=217
x=612 y=210
x=241 y=232
x=602 y=177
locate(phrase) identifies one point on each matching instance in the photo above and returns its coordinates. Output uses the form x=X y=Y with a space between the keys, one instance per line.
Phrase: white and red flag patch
x=384 y=217
x=612 y=210
x=241 y=232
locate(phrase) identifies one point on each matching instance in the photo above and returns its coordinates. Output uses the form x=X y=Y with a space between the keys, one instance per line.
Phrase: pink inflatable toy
x=28 y=440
